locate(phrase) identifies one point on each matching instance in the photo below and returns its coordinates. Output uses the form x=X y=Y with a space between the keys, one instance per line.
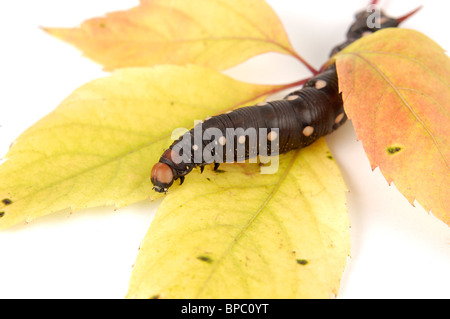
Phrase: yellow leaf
x=212 y=33
x=242 y=234
x=98 y=146
x=396 y=90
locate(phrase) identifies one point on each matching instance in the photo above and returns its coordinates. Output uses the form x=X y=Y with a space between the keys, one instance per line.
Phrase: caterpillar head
x=162 y=177
x=170 y=167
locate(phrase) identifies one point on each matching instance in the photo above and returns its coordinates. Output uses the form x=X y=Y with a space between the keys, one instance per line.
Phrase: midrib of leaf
x=402 y=56
x=265 y=38
x=441 y=107
x=212 y=39
x=400 y=96
x=249 y=223
x=118 y=157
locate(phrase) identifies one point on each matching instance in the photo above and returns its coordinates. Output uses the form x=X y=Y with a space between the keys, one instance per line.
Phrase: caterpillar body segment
x=268 y=128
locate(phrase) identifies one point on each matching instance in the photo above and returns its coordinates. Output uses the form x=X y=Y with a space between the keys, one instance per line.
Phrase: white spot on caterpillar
x=195 y=147
x=292 y=97
x=222 y=140
x=262 y=104
x=241 y=139
x=320 y=84
x=339 y=118
x=307 y=131
x=272 y=136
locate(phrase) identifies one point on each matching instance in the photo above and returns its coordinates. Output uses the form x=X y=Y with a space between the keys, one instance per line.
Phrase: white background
x=398 y=251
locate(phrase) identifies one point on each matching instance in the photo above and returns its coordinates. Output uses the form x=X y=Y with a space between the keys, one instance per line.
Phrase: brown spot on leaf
x=302 y=262
x=205 y=258
x=7 y=201
x=394 y=149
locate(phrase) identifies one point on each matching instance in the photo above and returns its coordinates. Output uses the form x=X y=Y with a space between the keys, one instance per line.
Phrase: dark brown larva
x=268 y=128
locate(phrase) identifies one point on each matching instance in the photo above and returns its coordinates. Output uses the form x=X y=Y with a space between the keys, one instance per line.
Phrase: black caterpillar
x=268 y=128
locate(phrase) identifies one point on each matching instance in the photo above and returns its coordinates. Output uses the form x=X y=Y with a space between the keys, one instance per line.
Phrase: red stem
x=310 y=68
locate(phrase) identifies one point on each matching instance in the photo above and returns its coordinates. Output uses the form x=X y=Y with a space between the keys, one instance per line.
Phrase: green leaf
x=243 y=234
x=98 y=146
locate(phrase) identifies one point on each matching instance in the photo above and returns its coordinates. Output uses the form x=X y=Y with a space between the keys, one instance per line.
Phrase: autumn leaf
x=212 y=33
x=243 y=234
x=98 y=146
x=396 y=90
